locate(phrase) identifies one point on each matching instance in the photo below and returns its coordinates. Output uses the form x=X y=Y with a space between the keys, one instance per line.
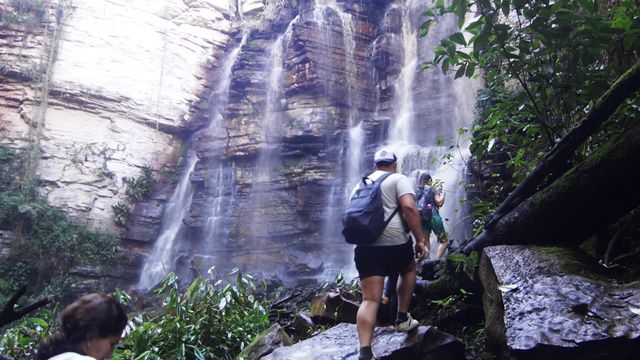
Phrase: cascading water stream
x=401 y=130
x=444 y=155
x=218 y=221
x=356 y=135
x=269 y=156
x=160 y=261
x=339 y=192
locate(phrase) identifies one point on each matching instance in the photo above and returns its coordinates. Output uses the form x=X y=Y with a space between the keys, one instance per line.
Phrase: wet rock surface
x=341 y=342
x=556 y=303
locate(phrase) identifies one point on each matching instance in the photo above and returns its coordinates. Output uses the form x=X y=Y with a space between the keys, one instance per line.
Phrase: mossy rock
x=270 y=339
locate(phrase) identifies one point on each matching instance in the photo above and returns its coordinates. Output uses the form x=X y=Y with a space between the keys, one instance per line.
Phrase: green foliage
x=22 y=339
x=352 y=287
x=25 y=12
x=47 y=243
x=545 y=64
x=466 y=264
x=139 y=188
x=481 y=212
x=136 y=189
x=210 y=320
x=121 y=213
x=451 y=301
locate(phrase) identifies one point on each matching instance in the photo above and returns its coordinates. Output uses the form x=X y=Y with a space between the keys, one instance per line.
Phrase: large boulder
x=334 y=307
x=556 y=303
x=341 y=342
x=265 y=343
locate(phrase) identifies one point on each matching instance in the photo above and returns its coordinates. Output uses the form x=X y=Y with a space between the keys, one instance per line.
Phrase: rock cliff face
x=282 y=102
x=124 y=81
x=297 y=85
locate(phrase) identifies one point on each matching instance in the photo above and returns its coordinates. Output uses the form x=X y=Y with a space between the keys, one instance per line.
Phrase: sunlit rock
x=341 y=342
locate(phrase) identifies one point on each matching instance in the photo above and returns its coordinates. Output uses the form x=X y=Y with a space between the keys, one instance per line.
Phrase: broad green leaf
x=458 y=38
x=461 y=11
x=471 y=67
x=38 y=321
x=445 y=66
x=505 y=7
x=481 y=41
x=424 y=28
x=23 y=208
x=621 y=22
x=428 y=13
x=474 y=26
x=460 y=71
x=588 y=5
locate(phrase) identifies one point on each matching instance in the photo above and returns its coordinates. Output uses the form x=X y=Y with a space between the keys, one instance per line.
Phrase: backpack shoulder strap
x=380 y=180
x=383 y=177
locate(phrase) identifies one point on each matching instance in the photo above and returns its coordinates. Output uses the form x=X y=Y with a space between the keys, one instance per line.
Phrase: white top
x=71 y=356
x=393 y=187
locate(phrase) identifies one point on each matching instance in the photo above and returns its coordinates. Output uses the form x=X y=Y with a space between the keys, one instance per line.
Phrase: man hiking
x=391 y=252
x=430 y=200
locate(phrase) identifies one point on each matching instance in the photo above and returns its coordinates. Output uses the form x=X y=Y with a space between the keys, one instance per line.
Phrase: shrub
x=121 y=213
x=22 y=339
x=47 y=243
x=210 y=320
x=139 y=188
x=26 y=12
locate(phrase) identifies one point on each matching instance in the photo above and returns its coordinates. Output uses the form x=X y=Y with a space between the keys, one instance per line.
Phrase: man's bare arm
x=412 y=216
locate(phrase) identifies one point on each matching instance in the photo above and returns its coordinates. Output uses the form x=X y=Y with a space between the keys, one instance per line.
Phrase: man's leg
x=406 y=284
x=426 y=230
x=366 y=317
x=443 y=237
x=442 y=247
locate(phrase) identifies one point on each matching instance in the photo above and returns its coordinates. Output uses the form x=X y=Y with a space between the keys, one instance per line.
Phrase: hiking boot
x=408 y=325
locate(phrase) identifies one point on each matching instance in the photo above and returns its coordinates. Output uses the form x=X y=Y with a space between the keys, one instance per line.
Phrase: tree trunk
x=555 y=161
x=589 y=197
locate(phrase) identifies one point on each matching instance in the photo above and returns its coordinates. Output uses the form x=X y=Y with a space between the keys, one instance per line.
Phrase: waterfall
x=402 y=127
x=296 y=89
x=349 y=41
x=445 y=106
x=219 y=219
x=339 y=190
x=160 y=261
x=356 y=135
x=269 y=157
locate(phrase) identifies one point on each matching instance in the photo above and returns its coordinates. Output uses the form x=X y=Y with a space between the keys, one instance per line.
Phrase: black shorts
x=383 y=260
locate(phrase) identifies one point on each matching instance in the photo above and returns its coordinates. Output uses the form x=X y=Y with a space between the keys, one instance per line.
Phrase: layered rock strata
x=282 y=149
x=122 y=90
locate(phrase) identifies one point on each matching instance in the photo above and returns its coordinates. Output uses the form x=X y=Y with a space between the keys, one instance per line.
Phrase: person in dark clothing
x=430 y=200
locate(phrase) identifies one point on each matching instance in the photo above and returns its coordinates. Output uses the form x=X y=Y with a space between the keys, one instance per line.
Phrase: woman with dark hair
x=90 y=328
